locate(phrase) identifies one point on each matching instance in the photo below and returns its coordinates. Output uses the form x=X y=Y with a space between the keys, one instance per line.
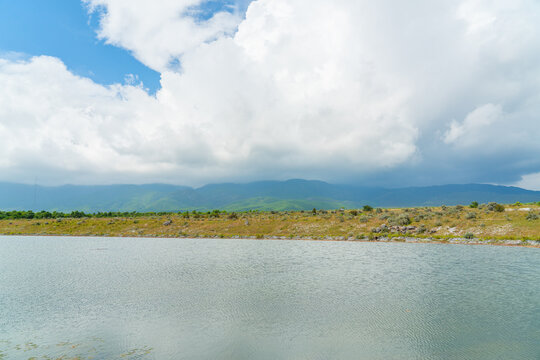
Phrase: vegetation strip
x=517 y=224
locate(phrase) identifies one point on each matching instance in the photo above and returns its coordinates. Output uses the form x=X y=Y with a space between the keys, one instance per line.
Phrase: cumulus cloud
x=340 y=90
x=158 y=32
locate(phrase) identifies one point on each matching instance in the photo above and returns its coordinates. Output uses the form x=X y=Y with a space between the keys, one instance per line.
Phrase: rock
x=246 y=222
x=167 y=223
x=381 y=229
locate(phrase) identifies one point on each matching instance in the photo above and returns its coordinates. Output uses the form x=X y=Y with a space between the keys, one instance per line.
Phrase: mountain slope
x=261 y=195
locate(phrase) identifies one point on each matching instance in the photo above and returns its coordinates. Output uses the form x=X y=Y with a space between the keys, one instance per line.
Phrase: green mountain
x=261 y=195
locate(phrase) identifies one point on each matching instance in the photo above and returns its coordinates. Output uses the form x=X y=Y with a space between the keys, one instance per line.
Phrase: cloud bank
x=345 y=90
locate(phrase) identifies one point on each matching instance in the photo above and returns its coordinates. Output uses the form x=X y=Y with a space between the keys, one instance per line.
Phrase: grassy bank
x=486 y=222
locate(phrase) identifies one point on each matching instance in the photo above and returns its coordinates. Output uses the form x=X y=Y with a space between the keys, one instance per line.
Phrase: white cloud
x=159 y=31
x=320 y=89
x=530 y=181
x=470 y=132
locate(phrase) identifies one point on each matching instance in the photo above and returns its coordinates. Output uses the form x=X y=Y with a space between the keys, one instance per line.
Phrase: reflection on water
x=240 y=299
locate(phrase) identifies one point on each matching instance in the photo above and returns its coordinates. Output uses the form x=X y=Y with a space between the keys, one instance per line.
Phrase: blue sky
x=389 y=93
x=65 y=30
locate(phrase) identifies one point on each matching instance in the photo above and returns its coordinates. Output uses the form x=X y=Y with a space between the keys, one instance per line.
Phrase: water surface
x=129 y=298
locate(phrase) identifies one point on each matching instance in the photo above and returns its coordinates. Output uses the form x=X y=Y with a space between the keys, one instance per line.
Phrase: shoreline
x=515 y=226
x=399 y=239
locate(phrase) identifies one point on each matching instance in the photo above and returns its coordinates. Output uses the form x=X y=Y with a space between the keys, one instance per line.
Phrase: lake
x=136 y=298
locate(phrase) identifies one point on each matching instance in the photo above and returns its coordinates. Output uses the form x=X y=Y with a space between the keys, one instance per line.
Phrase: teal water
x=111 y=298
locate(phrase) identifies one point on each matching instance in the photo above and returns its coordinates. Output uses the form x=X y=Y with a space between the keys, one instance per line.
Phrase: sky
x=190 y=92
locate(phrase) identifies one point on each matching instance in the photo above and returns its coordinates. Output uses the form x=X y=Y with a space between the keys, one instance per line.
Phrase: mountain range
x=262 y=195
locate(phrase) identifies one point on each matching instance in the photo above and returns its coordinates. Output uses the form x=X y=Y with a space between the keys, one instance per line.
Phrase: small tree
x=367 y=208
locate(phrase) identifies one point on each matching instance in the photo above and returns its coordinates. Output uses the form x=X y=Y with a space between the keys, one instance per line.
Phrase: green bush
x=474 y=204
x=469 y=236
x=367 y=208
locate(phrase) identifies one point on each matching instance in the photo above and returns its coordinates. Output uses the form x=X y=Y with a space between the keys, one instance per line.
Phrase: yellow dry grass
x=438 y=223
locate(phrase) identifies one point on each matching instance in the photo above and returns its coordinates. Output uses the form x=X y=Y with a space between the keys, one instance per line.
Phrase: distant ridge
x=294 y=194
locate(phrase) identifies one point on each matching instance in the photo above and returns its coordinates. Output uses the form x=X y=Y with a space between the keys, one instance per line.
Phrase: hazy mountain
x=262 y=195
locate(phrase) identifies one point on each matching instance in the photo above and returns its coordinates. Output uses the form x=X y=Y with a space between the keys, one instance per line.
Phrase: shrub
x=474 y=204
x=367 y=208
x=469 y=236
x=353 y=212
x=232 y=216
x=314 y=211
x=470 y=216
x=531 y=216
x=493 y=206
x=364 y=218
x=403 y=219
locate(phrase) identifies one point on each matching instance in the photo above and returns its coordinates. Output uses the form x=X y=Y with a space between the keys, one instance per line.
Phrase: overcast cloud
x=388 y=92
